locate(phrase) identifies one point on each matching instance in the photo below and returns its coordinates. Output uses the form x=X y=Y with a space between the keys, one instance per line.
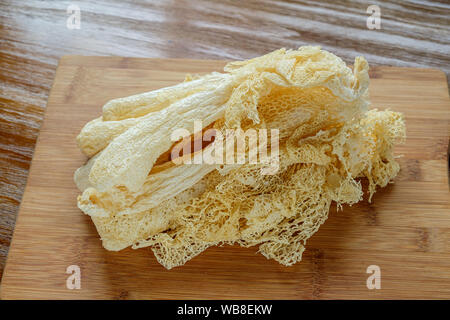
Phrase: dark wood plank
x=33 y=36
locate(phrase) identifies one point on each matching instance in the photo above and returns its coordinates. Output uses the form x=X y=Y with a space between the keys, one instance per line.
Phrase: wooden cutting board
x=405 y=231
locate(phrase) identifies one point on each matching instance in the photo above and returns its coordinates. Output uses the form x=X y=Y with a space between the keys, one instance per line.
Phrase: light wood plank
x=405 y=230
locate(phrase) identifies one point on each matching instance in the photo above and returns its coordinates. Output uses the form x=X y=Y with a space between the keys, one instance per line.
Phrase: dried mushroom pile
x=328 y=140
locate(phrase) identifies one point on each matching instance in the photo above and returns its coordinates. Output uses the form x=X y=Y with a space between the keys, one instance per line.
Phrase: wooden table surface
x=34 y=35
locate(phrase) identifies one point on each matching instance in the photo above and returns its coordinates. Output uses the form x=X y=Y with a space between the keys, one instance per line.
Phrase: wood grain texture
x=33 y=36
x=405 y=230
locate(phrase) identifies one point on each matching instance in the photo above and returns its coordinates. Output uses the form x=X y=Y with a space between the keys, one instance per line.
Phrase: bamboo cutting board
x=405 y=231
